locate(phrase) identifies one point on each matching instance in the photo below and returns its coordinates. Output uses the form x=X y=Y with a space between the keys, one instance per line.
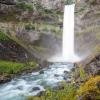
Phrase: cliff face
x=37 y=25
x=88 y=28
x=33 y=24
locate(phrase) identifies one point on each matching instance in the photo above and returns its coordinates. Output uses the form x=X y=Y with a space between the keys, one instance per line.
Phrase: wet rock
x=67 y=75
x=41 y=72
x=68 y=81
x=56 y=75
x=14 y=52
x=20 y=88
x=42 y=64
x=73 y=70
x=93 y=67
x=4 y=79
x=65 y=78
x=66 y=72
x=35 y=89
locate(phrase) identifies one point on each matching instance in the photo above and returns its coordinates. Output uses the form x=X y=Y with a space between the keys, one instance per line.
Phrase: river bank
x=15 y=60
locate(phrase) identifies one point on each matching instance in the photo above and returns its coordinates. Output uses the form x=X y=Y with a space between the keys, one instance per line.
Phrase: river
x=31 y=84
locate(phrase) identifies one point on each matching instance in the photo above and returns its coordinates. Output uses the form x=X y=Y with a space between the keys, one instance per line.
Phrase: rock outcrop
x=87 y=29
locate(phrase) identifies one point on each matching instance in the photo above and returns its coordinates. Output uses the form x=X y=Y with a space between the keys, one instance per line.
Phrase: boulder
x=35 y=89
x=4 y=79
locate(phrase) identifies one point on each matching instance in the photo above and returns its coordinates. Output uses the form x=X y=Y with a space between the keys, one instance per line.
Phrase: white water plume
x=68 y=54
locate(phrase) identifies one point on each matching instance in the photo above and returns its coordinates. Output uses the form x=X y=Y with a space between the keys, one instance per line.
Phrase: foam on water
x=21 y=87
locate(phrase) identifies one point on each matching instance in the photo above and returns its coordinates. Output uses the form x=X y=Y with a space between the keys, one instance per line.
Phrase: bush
x=90 y=89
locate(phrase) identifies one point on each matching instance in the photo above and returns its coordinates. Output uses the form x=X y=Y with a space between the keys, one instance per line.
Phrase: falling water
x=68 y=31
x=68 y=52
x=68 y=34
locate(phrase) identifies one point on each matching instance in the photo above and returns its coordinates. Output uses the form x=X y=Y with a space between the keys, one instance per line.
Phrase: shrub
x=90 y=89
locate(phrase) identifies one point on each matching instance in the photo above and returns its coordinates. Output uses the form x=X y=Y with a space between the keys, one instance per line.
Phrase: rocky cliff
x=88 y=28
x=37 y=25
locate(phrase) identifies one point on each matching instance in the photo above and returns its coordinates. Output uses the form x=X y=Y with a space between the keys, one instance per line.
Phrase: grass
x=82 y=72
x=14 y=67
x=98 y=36
x=68 y=93
x=10 y=67
x=88 y=88
x=3 y=36
x=97 y=50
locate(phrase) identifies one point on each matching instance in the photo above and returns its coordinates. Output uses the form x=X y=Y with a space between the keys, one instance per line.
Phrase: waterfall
x=68 y=52
x=68 y=35
x=68 y=31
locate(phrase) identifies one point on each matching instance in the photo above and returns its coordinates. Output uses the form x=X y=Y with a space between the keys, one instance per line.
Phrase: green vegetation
x=98 y=36
x=89 y=88
x=68 y=2
x=14 y=67
x=29 y=27
x=3 y=36
x=8 y=18
x=44 y=27
x=82 y=72
x=91 y=29
x=25 y=6
x=81 y=9
x=39 y=48
x=67 y=93
x=97 y=50
x=9 y=67
x=43 y=21
x=36 y=8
